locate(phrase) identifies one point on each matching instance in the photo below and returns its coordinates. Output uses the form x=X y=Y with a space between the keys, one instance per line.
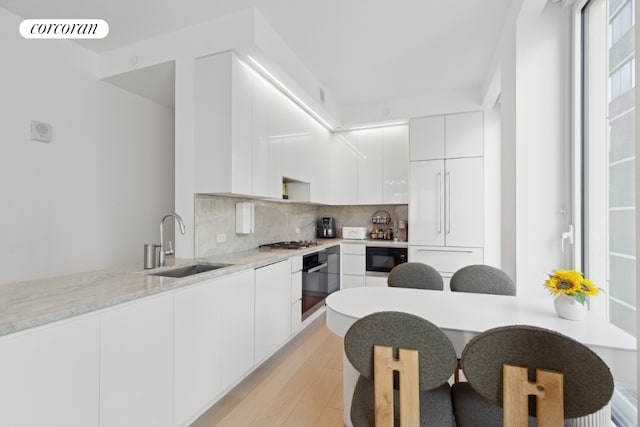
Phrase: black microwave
x=383 y=258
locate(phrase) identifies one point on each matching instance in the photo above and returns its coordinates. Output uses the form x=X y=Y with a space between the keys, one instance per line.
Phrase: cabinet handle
x=439 y=200
x=316 y=268
x=461 y=251
x=448 y=202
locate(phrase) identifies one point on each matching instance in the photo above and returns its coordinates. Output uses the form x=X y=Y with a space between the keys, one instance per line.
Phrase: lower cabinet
x=353 y=265
x=213 y=336
x=296 y=293
x=136 y=364
x=50 y=375
x=237 y=314
x=273 y=308
x=158 y=361
x=197 y=350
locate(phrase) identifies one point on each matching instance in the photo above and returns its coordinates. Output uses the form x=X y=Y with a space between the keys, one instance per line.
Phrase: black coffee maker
x=327 y=228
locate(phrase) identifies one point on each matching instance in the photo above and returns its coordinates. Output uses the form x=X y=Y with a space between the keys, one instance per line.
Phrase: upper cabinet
x=250 y=138
x=371 y=166
x=462 y=132
x=427 y=138
x=395 y=165
x=446 y=189
x=223 y=126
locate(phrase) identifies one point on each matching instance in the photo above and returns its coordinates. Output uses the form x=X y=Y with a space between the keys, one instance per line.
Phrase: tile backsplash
x=274 y=221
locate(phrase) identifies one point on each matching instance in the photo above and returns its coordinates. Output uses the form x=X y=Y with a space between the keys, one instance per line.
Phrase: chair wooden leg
x=407 y=366
x=548 y=389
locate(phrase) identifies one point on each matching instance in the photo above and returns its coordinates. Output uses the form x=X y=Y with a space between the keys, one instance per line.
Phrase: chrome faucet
x=170 y=251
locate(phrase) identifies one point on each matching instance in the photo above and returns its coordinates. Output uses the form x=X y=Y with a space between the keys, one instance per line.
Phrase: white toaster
x=354 y=233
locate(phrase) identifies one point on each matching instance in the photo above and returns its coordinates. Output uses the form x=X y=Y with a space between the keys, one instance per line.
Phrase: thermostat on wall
x=41 y=131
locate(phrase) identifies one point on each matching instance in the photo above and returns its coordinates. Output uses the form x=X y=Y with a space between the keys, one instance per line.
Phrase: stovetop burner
x=300 y=244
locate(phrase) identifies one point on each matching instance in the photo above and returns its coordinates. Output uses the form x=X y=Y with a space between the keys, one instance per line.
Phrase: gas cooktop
x=300 y=244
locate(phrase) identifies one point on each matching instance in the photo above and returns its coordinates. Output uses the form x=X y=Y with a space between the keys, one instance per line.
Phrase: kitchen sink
x=189 y=270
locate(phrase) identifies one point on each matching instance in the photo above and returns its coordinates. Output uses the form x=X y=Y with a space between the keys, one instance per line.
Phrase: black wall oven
x=382 y=259
x=320 y=277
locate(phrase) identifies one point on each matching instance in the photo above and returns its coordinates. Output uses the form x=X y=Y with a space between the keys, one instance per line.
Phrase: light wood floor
x=300 y=386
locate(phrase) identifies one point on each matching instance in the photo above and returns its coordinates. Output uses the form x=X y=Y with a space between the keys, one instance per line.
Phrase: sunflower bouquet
x=571 y=283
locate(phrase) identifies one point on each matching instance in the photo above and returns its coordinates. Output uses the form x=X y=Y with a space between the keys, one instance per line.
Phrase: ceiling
x=361 y=51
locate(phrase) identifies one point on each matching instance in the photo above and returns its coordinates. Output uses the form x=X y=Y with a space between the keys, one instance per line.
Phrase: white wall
x=492 y=174
x=536 y=125
x=93 y=196
x=543 y=179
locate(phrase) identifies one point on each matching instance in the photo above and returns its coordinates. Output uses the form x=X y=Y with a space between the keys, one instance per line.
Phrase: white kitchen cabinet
x=371 y=166
x=50 y=375
x=426 y=138
x=296 y=293
x=345 y=170
x=449 y=136
x=272 y=308
x=236 y=306
x=197 y=354
x=350 y=281
x=464 y=201
x=214 y=327
x=445 y=207
x=136 y=363
x=464 y=135
x=223 y=125
x=353 y=265
x=369 y=143
x=263 y=185
x=320 y=162
x=376 y=280
x=426 y=203
x=395 y=165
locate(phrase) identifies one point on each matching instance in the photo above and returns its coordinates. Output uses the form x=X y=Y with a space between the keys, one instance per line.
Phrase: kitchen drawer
x=350 y=282
x=353 y=264
x=446 y=260
x=353 y=248
x=296 y=286
x=376 y=280
x=296 y=263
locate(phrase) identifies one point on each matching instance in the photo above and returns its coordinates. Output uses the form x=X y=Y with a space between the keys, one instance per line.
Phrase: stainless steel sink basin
x=189 y=270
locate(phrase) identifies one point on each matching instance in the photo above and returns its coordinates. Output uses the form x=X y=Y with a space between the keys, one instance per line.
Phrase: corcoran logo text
x=64 y=28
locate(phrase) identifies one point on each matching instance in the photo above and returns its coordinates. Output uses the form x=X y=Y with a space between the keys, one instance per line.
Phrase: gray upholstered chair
x=588 y=384
x=436 y=360
x=415 y=275
x=482 y=279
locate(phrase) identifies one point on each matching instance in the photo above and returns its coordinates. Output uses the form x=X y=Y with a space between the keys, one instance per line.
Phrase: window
x=608 y=162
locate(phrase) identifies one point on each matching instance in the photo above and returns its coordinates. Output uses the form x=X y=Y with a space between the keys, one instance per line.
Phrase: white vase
x=568 y=308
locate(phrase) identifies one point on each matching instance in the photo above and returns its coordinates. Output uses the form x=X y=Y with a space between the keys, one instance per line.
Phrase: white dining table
x=461 y=316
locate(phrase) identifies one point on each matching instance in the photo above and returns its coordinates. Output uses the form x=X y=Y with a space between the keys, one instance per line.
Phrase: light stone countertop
x=33 y=303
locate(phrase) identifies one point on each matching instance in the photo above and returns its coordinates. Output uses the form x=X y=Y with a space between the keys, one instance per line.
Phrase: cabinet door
x=350 y=282
x=197 y=350
x=369 y=166
x=379 y=281
x=395 y=165
x=261 y=138
x=464 y=135
x=353 y=264
x=136 y=361
x=464 y=196
x=345 y=176
x=50 y=375
x=273 y=308
x=241 y=127
x=426 y=138
x=235 y=295
x=426 y=203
